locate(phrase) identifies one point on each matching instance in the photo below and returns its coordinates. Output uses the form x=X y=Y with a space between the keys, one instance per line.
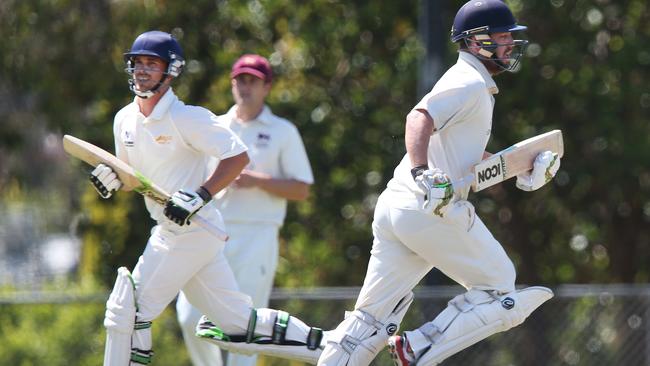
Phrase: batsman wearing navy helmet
x=423 y=219
x=186 y=150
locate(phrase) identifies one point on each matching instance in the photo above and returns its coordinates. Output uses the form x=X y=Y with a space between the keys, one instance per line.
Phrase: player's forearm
x=419 y=128
x=226 y=172
x=289 y=189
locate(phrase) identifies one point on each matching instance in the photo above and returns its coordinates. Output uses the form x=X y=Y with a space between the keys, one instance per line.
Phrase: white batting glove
x=545 y=167
x=105 y=181
x=183 y=204
x=437 y=188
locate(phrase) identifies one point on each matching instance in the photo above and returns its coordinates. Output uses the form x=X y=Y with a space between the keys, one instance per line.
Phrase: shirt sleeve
x=294 y=163
x=443 y=106
x=204 y=133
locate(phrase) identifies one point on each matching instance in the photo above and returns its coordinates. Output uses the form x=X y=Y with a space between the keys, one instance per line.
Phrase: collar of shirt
x=474 y=62
x=162 y=107
x=266 y=116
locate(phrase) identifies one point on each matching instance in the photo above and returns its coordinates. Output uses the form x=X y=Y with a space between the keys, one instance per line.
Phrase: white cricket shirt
x=275 y=148
x=461 y=105
x=174 y=147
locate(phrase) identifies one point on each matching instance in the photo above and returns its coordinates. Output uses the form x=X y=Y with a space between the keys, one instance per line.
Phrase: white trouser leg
x=252 y=253
x=201 y=353
x=459 y=245
x=193 y=261
x=393 y=270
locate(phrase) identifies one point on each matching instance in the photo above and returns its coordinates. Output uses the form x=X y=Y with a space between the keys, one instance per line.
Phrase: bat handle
x=210 y=227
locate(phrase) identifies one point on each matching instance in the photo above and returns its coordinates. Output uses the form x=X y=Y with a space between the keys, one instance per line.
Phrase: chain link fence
x=593 y=325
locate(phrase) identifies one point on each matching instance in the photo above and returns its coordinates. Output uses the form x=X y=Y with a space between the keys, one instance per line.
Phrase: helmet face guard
x=155 y=44
x=486 y=48
x=474 y=23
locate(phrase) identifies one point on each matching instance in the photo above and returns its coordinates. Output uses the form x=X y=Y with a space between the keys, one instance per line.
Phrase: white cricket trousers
x=409 y=243
x=252 y=253
x=194 y=262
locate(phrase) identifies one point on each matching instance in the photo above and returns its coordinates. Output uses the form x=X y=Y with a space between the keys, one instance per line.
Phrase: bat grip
x=210 y=227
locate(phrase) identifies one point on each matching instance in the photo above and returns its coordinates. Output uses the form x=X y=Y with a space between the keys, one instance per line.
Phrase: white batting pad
x=360 y=337
x=120 y=320
x=470 y=318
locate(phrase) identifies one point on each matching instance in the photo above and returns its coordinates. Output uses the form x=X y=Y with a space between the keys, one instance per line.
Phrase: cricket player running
x=422 y=220
x=173 y=144
x=254 y=205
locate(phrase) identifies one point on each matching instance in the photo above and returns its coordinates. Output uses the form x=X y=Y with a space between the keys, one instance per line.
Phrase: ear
x=472 y=44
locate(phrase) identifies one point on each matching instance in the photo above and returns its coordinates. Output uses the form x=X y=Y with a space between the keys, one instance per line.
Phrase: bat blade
x=131 y=179
x=515 y=160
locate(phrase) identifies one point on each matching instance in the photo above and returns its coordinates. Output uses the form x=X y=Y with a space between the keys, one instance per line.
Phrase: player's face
x=505 y=46
x=148 y=71
x=249 y=90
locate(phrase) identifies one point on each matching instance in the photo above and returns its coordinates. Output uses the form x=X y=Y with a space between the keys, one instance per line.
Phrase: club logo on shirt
x=263 y=139
x=127 y=138
x=163 y=139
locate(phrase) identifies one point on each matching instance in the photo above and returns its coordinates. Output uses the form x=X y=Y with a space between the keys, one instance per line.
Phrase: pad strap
x=280 y=327
x=314 y=338
x=140 y=356
x=252 y=322
x=142 y=325
x=368 y=319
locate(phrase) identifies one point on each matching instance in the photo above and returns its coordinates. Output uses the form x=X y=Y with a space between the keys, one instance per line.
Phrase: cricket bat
x=131 y=178
x=515 y=160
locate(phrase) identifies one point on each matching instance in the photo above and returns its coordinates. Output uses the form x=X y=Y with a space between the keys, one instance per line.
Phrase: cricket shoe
x=400 y=351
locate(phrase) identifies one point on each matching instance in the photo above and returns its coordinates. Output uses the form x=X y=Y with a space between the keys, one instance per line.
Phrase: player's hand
x=105 y=181
x=545 y=167
x=248 y=179
x=183 y=204
x=437 y=188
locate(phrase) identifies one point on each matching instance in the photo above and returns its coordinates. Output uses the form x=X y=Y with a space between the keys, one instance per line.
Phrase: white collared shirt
x=275 y=148
x=174 y=147
x=461 y=105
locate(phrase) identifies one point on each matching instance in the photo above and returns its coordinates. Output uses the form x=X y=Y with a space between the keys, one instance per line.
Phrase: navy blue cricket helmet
x=158 y=44
x=480 y=18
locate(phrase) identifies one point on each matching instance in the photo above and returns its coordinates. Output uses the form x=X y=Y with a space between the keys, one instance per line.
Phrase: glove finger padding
x=438 y=191
x=105 y=181
x=182 y=205
x=545 y=167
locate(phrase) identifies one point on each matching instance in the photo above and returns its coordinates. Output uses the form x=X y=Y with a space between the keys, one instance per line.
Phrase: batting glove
x=182 y=205
x=437 y=188
x=105 y=181
x=545 y=167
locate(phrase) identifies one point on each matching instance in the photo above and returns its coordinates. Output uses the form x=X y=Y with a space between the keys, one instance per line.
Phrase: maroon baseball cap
x=255 y=65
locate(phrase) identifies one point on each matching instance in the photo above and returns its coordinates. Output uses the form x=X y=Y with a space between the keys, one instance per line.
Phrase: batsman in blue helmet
x=423 y=218
x=159 y=45
x=484 y=28
x=183 y=149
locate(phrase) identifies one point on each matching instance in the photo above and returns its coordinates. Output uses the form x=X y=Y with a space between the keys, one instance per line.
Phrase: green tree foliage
x=346 y=75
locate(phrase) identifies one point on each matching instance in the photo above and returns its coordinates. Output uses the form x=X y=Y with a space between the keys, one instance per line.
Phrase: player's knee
x=501 y=277
x=120 y=307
